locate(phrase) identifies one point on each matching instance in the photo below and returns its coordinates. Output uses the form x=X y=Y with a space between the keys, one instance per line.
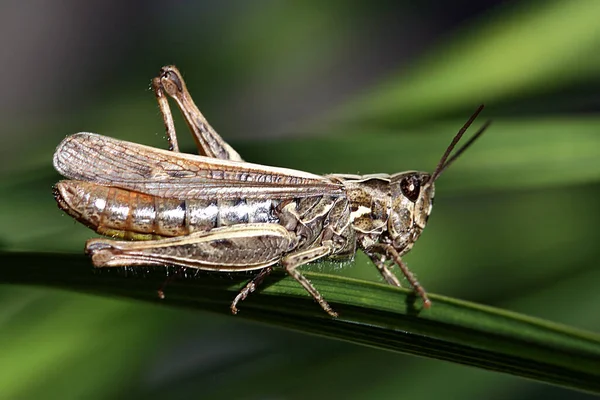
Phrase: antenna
x=445 y=161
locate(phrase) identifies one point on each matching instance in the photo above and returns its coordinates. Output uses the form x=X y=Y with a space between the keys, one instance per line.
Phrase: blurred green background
x=338 y=86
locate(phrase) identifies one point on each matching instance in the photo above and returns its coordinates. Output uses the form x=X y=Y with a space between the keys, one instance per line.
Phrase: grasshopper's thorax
x=390 y=209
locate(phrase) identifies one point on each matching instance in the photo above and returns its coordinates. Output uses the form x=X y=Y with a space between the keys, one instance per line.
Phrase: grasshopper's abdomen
x=126 y=214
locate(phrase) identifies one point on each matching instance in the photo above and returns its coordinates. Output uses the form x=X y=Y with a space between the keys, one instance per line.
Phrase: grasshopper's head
x=412 y=194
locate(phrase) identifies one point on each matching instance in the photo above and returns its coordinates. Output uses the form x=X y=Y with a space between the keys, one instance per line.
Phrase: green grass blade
x=550 y=45
x=371 y=314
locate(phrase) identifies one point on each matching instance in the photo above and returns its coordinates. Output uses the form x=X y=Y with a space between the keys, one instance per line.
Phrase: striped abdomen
x=131 y=215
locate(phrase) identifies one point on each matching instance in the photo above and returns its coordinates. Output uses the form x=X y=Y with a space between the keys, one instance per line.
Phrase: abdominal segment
x=126 y=214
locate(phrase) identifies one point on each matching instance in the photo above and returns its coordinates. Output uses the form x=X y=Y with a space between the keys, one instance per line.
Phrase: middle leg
x=292 y=261
x=250 y=288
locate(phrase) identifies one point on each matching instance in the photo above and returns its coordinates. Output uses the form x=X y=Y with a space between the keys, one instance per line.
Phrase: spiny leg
x=250 y=288
x=208 y=141
x=412 y=279
x=165 y=110
x=291 y=262
x=379 y=261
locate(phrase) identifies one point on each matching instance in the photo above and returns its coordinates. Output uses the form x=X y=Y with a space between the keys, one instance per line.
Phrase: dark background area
x=338 y=86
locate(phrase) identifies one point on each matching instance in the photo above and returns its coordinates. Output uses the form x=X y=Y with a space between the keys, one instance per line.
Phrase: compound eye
x=411 y=187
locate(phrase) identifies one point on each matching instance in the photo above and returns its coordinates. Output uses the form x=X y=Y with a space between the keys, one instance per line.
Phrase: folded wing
x=112 y=162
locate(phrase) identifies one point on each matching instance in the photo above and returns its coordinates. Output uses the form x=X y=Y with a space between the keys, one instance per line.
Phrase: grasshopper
x=216 y=212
